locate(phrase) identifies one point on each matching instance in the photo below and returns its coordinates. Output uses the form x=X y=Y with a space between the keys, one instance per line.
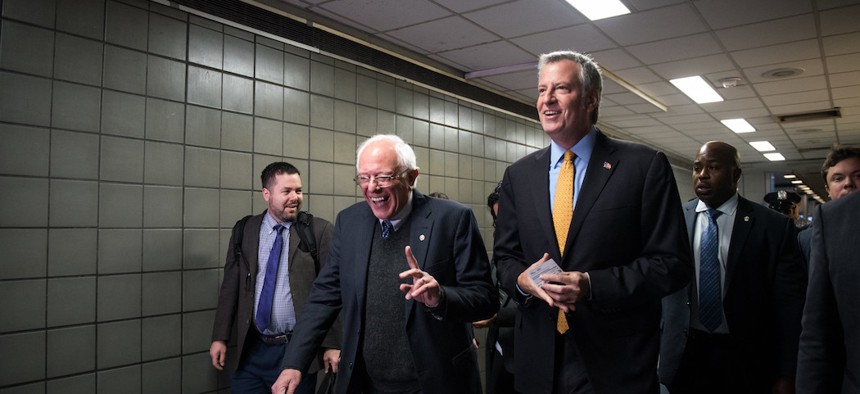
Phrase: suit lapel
x=362 y=235
x=539 y=187
x=420 y=223
x=744 y=221
x=690 y=219
x=600 y=169
x=251 y=243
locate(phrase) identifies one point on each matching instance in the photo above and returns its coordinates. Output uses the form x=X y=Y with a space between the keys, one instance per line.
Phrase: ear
x=592 y=102
x=266 y=195
x=737 y=174
x=412 y=175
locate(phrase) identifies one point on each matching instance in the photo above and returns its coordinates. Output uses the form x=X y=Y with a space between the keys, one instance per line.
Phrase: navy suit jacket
x=764 y=291
x=829 y=358
x=627 y=232
x=446 y=243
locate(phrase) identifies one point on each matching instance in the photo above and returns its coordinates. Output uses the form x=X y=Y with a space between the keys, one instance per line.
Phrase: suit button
x=350 y=365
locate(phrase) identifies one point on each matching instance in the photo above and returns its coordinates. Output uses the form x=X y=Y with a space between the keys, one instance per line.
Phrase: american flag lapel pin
x=606 y=165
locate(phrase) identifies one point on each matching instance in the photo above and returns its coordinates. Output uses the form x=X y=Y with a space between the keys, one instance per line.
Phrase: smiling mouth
x=551 y=113
x=379 y=199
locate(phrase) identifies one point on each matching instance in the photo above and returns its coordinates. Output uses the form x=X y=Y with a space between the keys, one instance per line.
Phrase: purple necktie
x=267 y=295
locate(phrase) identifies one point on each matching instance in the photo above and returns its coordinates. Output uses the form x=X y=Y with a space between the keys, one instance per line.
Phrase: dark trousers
x=260 y=367
x=711 y=364
x=499 y=380
x=570 y=375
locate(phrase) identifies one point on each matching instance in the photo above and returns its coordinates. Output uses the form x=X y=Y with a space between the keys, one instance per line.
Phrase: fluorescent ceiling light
x=600 y=9
x=762 y=146
x=789 y=176
x=739 y=125
x=696 y=88
x=796 y=181
x=777 y=157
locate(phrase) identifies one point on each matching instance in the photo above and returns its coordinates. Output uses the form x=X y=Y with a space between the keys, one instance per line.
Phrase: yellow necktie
x=562 y=213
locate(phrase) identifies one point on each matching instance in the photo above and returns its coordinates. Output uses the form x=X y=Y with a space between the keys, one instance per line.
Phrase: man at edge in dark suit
x=593 y=328
x=398 y=242
x=735 y=328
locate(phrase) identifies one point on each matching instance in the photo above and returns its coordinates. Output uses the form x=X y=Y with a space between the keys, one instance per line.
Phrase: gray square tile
x=403 y=127
x=239 y=33
x=344 y=85
x=365 y=90
x=192 y=325
x=167 y=36
x=123 y=114
x=74 y=155
x=121 y=159
x=201 y=208
x=71 y=301
x=344 y=116
x=162 y=293
x=72 y=251
x=365 y=122
x=74 y=203
x=197 y=376
x=421 y=106
x=269 y=100
x=437 y=162
x=24 y=253
x=201 y=250
x=126 y=25
x=270 y=64
x=296 y=140
x=120 y=205
x=385 y=122
x=296 y=71
x=165 y=78
x=203 y=127
x=22 y=305
x=162 y=206
x=162 y=249
x=420 y=133
x=205 y=46
x=437 y=136
x=465 y=193
x=29 y=361
x=321 y=110
x=75 y=107
x=404 y=104
x=165 y=120
x=119 y=251
x=297 y=106
x=451 y=140
x=322 y=206
x=121 y=380
x=168 y=11
x=163 y=163
x=385 y=96
x=118 y=344
x=25 y=99
x=341 y=203
x=268 y=136
x=422 y=156
x=464 y=166
x=322 y=144
x=238 y=94
x=162 y=337
x=200 y=291
x=204 y=87
x=269 y=42
x=83 y=17
x=24 y=202
x=344 y=148
x=202 y=167
x=79 y=384
x=343 y=180
x=237 y=131
x=124 y=70
x=235 y=204
x=118 y=298
x=464 y=142
x=465 y=117
x=162 y=377
x=320 y=178
x=40 y=12
x=322 y=79
x=26 y=48
x=24 y=151
x=78 y=59
x=236 y=170
x=437 y=110
x=238 y=56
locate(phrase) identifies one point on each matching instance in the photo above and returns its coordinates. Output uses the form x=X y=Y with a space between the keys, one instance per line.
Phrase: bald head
x=716 y=171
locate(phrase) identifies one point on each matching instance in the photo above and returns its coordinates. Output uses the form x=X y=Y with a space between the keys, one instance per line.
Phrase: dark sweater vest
x=386 y=351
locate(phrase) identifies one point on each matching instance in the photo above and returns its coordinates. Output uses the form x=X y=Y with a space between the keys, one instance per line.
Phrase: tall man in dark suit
x=595 y=326
x=735 y=328
x=829 y=357
x=269 y=262
x=398 y=244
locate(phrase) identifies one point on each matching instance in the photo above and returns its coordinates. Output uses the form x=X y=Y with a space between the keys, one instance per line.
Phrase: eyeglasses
x=380 y=180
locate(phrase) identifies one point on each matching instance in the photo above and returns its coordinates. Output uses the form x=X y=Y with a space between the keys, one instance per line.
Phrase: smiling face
x=715 y=173
x=564 y=109
x=380 y=159
x=283 y=196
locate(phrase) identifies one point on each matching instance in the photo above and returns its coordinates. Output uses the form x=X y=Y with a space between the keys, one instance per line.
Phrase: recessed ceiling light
x=696 y=88
x=739 y=125
x=783 y=72
x=777 y=157
x=789 y=176
x=762 y=146
x=601 y=9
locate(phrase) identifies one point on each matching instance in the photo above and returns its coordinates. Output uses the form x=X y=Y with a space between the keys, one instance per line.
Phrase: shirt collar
x=582 y=149
x=269 y=223
x=728 y=208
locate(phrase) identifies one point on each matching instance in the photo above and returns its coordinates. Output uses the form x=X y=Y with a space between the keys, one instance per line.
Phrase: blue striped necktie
x=386 y=229
x=710 y=288
x=267 y=295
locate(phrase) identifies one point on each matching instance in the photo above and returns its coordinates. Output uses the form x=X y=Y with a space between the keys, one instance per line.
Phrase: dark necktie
x=710 y=292
x=267 y=295
x=386 y=229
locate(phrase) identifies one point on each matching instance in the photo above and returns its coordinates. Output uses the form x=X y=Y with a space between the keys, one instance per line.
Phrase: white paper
x=548 y=267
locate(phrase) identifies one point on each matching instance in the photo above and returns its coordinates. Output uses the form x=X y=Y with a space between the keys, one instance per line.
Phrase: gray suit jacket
x=763 y=302
x=829 y=357
x=446 y=243
x=236 y=299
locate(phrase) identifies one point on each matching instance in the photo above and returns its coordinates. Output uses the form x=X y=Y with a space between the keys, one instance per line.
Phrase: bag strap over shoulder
x=304 y=227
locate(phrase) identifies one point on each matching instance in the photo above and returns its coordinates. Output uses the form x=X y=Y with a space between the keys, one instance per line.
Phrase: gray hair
x=405 y=155
x=589 y=73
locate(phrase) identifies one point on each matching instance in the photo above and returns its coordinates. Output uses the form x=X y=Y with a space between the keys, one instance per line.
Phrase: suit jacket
x=236 y=299
x=627 y=232
x=446 y=243
x=764 y=291
x=804 y=242
x=829 y=357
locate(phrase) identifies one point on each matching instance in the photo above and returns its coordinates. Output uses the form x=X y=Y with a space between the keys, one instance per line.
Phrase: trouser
x=260 y=367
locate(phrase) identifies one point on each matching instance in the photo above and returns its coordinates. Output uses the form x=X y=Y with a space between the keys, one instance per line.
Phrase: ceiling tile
x=466 y=6
x=658 y=24
x=444 y=34
x=810 y=67
x=843 y=63
x=846 y=92
x=515 y=81
x=637 y=76
x=615 y=59
x=582 y=38
x=794 y=51
x=521 y=17
x=728 y=13
x=780 y=31
x=676 y=49
x=797 y=98
x=485 y=56
x=386 y=15
x=790 y=85
x=796 y=108
x=642 y=5
x=842 y=44
x=698 y=66
x=840 y=20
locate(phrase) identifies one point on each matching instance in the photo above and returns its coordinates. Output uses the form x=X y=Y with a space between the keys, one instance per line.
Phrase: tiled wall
x=131 y=139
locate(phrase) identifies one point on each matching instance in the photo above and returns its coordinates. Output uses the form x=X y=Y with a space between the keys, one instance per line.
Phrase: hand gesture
x=424 y=288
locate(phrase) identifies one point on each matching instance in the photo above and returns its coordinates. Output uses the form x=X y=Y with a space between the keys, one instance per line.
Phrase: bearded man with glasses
x=409 y=274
